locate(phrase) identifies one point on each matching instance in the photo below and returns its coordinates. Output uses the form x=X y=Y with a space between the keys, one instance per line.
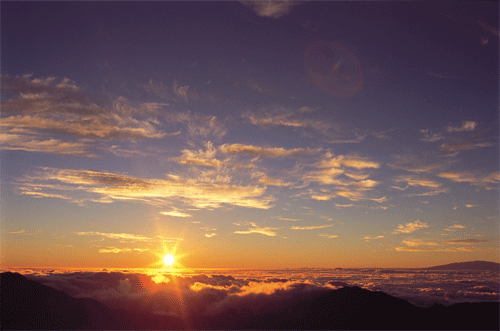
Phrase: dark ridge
x=471 y=265
x=28 y=305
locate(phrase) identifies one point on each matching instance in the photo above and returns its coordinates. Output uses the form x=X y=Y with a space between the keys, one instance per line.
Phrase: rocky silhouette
x=27 y=304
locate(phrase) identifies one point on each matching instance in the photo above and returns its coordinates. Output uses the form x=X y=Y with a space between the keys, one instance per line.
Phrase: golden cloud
x=101 y=186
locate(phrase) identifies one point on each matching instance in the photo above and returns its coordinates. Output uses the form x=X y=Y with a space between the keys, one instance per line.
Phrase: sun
x=168 y=259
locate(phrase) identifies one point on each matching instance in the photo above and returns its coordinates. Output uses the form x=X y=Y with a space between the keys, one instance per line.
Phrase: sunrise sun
x=168 y=260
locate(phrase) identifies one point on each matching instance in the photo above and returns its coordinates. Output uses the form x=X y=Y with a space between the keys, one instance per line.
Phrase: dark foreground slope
x=28 y=305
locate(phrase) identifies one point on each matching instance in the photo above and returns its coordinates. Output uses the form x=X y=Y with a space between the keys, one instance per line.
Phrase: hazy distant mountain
x=28 y=305
x=471 y=265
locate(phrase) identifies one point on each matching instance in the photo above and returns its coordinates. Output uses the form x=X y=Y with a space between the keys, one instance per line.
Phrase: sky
x=249 y=134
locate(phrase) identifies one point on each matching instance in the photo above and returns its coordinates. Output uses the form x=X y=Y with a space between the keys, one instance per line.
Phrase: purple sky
x=246 y=134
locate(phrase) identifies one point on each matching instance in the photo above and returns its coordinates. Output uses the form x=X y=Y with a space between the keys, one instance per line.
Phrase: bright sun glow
x=168 y=259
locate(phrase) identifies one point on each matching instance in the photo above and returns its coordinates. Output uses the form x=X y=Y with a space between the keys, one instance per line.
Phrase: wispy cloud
x=465 y=145
x=267 y=231
x=273 y=182
x=466 y=126
x=32 y=143
x=419 y=245
x=410 y=227
x=351 y=161
x=314 y=227
x=488 y=182
x=198 y=125
x=114 y=250
x=465 y=241
x=288 y=219
x=37 y=109
x=175 y=213
x=348 y=141
x=429 y=136
x=121 y=236
x=329 y=236
x=266 y=152
x=412 y=163
x=17 y=232
x=205 y=157
x=46 y=104
x=175 y=92
x=344 y=206
x=455 y=227
x=373 y=238
x=251 y=84
x=418 y=242
x=417 y=181
x=281 y=116
x=330 y=168
x=210 y=235
x=486 y=27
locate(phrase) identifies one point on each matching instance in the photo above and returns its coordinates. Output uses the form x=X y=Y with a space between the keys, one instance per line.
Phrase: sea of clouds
x=212 y=291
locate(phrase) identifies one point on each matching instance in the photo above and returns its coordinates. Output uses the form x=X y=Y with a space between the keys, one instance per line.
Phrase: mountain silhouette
x=471 y=265
x=27 y=304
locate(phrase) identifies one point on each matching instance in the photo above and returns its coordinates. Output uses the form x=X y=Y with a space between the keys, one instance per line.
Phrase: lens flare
x=333 y=69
